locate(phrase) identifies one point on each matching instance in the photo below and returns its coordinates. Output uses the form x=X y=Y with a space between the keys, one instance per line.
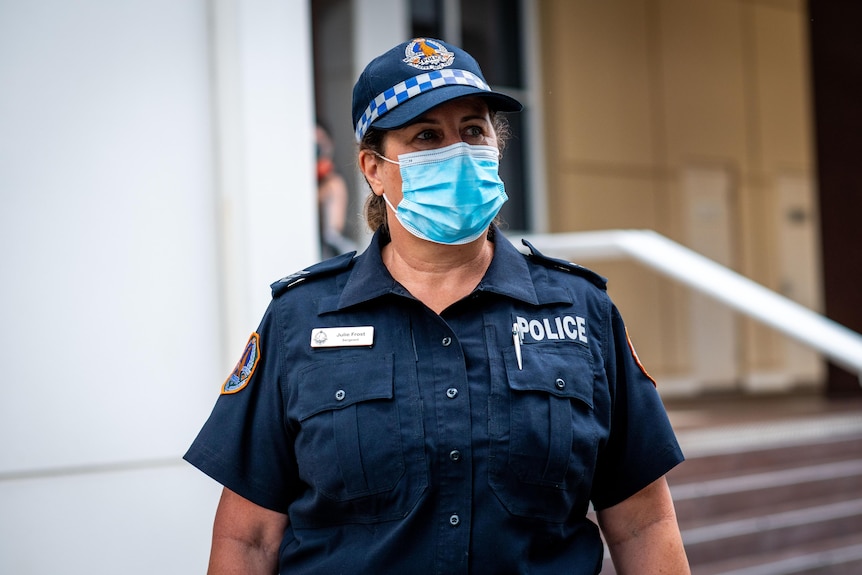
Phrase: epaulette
x=326 y=267
x=563 y=265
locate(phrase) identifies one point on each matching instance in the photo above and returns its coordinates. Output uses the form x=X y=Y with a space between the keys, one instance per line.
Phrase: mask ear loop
x=385 y=159
x=388 y=203
x=385 y=199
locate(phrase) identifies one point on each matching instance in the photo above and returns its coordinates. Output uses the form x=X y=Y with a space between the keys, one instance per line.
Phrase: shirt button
x=455 y=455
x=446 y=341
x=560 y=383
x=451 y=393
x=454 y=520
x=339 y=395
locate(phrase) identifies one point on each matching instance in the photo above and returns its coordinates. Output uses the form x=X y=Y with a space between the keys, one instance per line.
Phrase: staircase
x=776 y=498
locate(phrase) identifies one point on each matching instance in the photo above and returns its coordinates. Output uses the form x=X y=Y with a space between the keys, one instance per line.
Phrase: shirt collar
x=508 y=274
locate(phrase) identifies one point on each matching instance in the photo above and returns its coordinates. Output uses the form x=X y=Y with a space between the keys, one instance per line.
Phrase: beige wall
x=641 y=94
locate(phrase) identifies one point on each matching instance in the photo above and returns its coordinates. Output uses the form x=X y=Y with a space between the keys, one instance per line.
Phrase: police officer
x=441 y=403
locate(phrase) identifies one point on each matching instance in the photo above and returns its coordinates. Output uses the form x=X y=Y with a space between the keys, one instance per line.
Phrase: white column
x=121 y=175
x=263 y=84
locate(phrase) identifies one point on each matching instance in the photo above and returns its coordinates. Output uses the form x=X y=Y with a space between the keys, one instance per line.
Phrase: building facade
x=157 y=173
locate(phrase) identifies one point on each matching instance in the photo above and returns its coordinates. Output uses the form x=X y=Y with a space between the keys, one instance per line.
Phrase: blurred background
x=160 y=166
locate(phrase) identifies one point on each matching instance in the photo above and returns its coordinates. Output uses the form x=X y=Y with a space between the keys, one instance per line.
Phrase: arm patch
x=637 y=359
x=245 y=367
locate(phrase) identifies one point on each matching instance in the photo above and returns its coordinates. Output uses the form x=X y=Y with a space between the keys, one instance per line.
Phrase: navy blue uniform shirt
x=428 y=446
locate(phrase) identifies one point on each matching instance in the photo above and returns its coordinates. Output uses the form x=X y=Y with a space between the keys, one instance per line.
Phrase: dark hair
x=375 y=206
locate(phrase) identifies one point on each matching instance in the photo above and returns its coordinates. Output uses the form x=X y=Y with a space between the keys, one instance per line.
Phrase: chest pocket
x=544 y=439
x=356 y=441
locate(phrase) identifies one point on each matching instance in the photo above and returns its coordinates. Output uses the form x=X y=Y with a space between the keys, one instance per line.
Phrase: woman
x=440 y=403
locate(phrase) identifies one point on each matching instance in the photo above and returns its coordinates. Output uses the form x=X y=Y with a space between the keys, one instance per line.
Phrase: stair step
x=833 y=559
x=715 y=457
x=726 y=495
x=841 y=556
x=773 y=497
x=772 y=531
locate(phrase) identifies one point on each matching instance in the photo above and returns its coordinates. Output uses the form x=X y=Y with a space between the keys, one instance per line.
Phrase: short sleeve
x=244 y=445
x=641 y=446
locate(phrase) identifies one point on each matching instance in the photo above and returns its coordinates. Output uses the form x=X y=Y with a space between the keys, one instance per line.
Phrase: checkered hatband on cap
x=403 y=91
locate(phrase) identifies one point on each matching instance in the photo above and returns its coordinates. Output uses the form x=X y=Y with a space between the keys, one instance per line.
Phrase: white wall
x=144 y=212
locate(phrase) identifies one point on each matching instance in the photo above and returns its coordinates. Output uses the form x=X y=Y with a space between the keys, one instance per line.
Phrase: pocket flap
x=336 y=384
x=548 y=368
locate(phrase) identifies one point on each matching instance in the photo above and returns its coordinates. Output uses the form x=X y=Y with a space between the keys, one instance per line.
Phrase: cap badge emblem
x=427 y=54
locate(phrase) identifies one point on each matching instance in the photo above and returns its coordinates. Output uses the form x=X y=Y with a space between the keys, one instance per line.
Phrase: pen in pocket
x=516 y=339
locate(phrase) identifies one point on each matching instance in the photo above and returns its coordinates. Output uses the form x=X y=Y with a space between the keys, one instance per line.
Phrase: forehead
x=457 y=109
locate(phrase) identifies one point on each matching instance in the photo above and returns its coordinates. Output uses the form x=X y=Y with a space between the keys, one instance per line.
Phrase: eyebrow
x=424 y=119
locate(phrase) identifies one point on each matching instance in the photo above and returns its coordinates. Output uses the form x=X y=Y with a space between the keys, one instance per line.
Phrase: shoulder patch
x=326 y=267
x=563 y=265
x=637 y=359
x=245 y=367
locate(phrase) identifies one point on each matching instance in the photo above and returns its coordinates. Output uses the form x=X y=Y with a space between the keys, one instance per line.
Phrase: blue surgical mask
x=449 y=195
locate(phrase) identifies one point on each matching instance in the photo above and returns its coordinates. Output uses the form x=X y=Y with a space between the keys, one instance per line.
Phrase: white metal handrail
x=840 y=344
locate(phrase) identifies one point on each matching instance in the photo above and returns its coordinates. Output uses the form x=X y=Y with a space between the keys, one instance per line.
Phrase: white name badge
x=359 y=336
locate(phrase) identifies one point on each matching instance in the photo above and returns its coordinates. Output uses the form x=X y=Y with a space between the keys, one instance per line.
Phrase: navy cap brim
x=411 y=109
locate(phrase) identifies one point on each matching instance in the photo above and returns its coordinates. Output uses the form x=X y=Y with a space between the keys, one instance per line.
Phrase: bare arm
x=246 y=537
x=643 y=535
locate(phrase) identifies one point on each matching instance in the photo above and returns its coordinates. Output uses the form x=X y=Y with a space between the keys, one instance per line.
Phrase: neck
x=435 y=274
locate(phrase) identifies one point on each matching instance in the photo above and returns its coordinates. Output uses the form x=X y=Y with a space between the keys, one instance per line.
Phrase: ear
x=370 y=165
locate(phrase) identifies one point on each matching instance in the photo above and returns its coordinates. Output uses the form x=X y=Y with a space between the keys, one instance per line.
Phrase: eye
x=426 y=135
x=474 y=133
